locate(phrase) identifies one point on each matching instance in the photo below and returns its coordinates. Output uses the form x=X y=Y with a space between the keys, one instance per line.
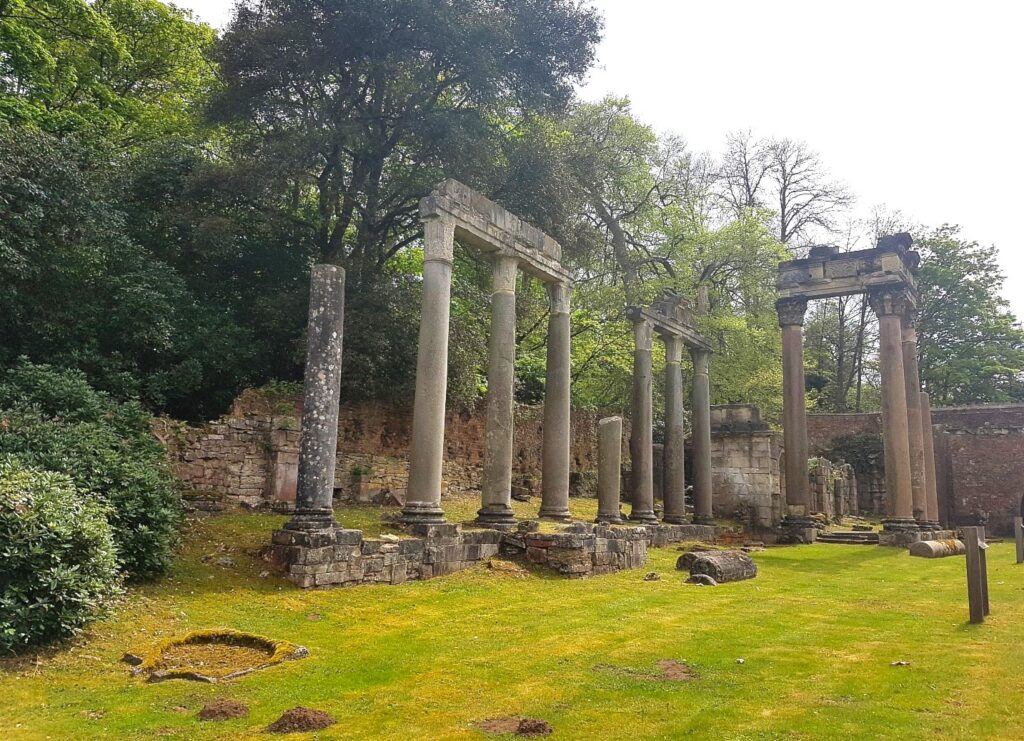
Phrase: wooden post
x=975 y=595
x=1018 y=531
x=983 y=562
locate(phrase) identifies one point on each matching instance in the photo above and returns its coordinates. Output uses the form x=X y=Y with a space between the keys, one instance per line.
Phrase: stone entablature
x=827 y=273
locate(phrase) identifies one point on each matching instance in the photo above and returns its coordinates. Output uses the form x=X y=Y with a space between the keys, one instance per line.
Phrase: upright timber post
x=975 y=587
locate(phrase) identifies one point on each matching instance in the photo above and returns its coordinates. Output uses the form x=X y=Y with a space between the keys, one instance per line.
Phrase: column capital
x=909 y=318
x=895 y=301
x=438 y=239
x=506 y=270
x=791 y=311
x=700 y=358
x=643 y=332
x=673 y=348
x=559 y=295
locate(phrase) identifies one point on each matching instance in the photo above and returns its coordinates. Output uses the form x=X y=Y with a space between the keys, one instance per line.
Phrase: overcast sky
x=915 y=105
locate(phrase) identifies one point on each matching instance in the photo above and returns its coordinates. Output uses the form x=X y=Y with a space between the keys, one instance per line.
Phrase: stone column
x=557 y=409
x=702 y=481
x=912 y=381
x=321 y=391
x=496 y=489
x=794 y=405
x=931 y=485
x=641 y=439
x=890 y=305
x=426 y=453
x=609 y=469
x=673 y=491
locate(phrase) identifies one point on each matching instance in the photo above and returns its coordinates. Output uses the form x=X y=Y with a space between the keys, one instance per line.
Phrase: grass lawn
x=817 y=631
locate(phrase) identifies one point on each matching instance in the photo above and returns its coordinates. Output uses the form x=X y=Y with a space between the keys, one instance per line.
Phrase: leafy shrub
x=53 y=420
x=58 y=563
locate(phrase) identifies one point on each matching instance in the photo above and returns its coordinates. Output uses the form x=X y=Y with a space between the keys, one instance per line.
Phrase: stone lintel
x=825 y=274
x=664 y=325
x=483 y=224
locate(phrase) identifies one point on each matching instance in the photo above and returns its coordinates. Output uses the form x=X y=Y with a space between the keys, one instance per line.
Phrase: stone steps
x=851 y=537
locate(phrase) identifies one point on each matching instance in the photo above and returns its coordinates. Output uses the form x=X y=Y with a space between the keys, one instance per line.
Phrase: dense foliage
x=58 y=563
x=54 y=421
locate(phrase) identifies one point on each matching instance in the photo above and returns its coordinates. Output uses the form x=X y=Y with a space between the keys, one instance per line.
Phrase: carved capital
x=673 y=348
x=701 y=359
x=890 y=301
x=791 y=311
x=506 y=270
x=643 y=332
x=910 y=320
x=438 y=239
x=559 y=295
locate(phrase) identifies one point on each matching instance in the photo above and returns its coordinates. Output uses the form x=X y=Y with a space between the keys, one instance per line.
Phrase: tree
x=347 y=111
x=971 y=347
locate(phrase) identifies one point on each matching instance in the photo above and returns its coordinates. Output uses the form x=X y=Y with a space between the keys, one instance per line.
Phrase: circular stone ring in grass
x=214 y=656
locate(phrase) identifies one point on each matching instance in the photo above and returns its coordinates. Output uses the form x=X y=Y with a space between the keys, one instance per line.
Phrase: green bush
x=58 y=562
x=53 y=420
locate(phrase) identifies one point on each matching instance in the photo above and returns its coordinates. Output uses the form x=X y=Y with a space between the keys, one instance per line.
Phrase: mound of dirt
x=516 y=726
x=224 y=710
x=298 y=720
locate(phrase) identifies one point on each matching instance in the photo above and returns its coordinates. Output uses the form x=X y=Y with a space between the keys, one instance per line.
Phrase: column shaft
x=673 y=491
x=912 y=381
x=641 y=437
x=557 y=409
x=930 y=481
x=703 y=509
x=889 y=306
x=426 y=454
x=609 y=469
x=321 y=391
x=496 y=489
x=794 y=405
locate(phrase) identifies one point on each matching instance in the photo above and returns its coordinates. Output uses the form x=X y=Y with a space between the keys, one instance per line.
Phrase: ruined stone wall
x=250 y=455
x=979 y=460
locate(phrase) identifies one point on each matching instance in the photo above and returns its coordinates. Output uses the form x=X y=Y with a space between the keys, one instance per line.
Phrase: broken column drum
x=886 y=274
x=673 y=319
x=609 y=470
x=452 y=212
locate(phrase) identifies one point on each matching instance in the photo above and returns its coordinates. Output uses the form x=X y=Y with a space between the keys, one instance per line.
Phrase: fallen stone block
x=723 y=566
x=938 y=548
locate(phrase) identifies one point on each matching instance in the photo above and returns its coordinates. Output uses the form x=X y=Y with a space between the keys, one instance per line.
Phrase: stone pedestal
x=702 y=477
x=496 y=489
x=640 y=449
x=609 y=469
x=557 y=409
x=426 y=454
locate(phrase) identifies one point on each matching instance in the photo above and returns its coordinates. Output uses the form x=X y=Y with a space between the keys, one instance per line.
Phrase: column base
x=676 y=519
x=800 y=528
x=304 y=520
x=555 y=513
x=647 y=517
x=900 y=525
x=495 y=515
x=611 y=519
x=703 y=520
x=421 y=513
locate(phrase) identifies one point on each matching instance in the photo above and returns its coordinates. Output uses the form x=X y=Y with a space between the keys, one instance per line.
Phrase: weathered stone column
x=426 y=454
x=557 y=409
x=912 y=380
x=320 y=397
x=702 y=481
x=931 y=485
x=641 y=437
x=794 y=405
x=496 y=488
x=674 y=481
x=890 y=305
x=609 y=469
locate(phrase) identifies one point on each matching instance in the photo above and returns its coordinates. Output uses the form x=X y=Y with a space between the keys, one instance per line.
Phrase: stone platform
x=337 y=556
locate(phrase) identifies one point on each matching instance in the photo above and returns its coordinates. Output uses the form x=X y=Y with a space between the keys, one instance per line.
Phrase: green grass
x=817 y=629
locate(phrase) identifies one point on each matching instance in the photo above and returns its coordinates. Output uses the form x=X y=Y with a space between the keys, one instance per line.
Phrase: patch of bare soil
x=212 y=659
x=298 y=720
x=507 y=568
x=224 y=710
x=668 y=670
x=515 y=726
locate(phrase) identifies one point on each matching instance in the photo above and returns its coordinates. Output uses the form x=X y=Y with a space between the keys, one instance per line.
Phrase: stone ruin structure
x=886 y=275
x=672 y=318
x=453 y=211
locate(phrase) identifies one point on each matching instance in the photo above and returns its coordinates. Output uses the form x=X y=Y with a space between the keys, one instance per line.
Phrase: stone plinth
x=905 y=538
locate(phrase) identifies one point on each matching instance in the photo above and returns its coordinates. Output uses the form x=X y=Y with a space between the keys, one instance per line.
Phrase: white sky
x=915 y=104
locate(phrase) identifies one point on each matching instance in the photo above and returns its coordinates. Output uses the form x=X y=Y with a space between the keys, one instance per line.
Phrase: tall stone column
x=609 y=469
x=794 y=405
x=890 y=305
x=557 y=409
x=496 y=489
x=702 y=481
x=931 y=485
x=673 y=491
x=641 y=438
x=912 y=380
x=426 y=454
x=321 y=392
